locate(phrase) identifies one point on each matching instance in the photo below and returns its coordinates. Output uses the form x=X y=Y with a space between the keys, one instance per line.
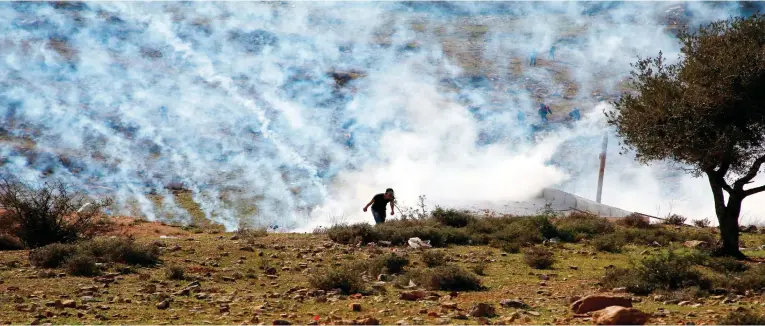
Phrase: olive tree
x=706 y=111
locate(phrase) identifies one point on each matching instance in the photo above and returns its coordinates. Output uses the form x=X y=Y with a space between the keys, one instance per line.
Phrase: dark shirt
x=380 y=202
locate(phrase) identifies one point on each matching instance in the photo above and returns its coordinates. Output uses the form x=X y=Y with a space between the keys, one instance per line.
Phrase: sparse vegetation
x=579 y=226
x=175 y=273
x=81 y=264
x=670 y=271
x=47 y=213
x=451 y=217
x=635 y=221
x=675 y=219
x=447 y=277
x=742 y=318
x=346 y=278
x=433 y=258
x=702 y=223
x=117 y=250
x=612 y=243
x=391 y=263
x=539 y=258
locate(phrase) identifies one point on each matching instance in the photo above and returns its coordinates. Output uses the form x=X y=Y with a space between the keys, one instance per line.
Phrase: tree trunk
x=729 y=232
x=727 y=216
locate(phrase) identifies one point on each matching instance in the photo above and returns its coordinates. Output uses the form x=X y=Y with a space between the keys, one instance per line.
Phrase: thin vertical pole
x=602 y=168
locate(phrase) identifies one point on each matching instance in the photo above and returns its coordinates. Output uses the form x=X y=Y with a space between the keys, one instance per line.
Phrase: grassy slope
x=506 y=276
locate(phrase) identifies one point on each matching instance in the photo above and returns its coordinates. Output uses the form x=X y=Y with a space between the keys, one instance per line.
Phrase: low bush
x=116 y=250
x=353 y=234
x=675 y=219
x=635 y=221
x=751 y=279
x=447 y=277
x=506 y=246
x=346 y=278
x=539 y=258
x=582 y=226
x=702 y=223
x=248 y=234
x=479 y=268
x=742 y=318
x=388 y=263
x=433 y=258
x=9 y=242
x=52 y=256
x=451 y=217
x=81 y=265
x=175 y=273
x=666 y=272
x=608 y=243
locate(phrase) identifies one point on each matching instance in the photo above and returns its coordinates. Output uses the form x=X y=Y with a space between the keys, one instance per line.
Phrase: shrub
x=52 y=256
x=353 y=234
x=433 y=258
x=507 y=246
x=635 y=221
x=346 y=278
x=582 y=226
x=666 y=272
x=742 y=318
x=81 y=265
x=452 y=217
x=9 y=242
x=446 y=278
x=608 y=243
x=390 y=263
x=479 y=268
x=247 y=234
x=663 y=236
x=175 y=273
x=539 y=258
x=47 y=213
x=122 y=250
x=726 y=265
x=751 y=279
x=675 y=219
x=702 y=223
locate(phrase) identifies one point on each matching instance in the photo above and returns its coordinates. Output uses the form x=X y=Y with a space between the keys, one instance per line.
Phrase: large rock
x=483 y=310
x=616 y=315
x=695 y=244
x=413 y=295
x=597 y=302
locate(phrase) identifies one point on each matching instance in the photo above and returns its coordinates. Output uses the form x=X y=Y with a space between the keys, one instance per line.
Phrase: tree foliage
x=706 y=111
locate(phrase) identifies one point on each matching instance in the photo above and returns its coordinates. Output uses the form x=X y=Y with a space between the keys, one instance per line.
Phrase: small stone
x=483 y=310
x=573 y=267
x=616 y=315
x=513 y=304
x=355 y=306
x=163 y=305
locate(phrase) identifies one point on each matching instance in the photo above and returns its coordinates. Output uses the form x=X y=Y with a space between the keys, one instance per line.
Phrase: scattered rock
x=412 y=295
x=695 y=244
x=598 y=302
x=281 y=322
x=163 y=305
x=483 y=310
x=513 y=304
x=617 y=315
x=449 y=305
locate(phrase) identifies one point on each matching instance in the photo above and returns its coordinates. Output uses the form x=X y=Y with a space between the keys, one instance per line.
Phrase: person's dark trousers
x=379 y=217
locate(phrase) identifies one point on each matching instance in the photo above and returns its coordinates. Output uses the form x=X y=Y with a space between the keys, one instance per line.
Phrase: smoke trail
x=294 y=113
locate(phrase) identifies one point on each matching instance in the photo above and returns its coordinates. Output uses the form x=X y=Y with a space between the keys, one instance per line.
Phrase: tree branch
x=754 y=190
x=726 y=161
x=739 y=184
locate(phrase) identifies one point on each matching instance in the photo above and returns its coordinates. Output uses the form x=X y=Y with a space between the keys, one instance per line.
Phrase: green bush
x=635 y=221
x=9 y=242
x=608 y=243
x=751 y=279
x=175 y=273
x=582 y=226
x=675 y=219
x=702 y=223
x=447 y=277
x=742 y=318
x=346 y=278
x=433 y=258
x=506 y=246
x=479 y=268
x=667 y=272
x=452 y=217
x=353 y=234
x=539 y=258
x=52 y=256
x=388 y=263
x=81 y=265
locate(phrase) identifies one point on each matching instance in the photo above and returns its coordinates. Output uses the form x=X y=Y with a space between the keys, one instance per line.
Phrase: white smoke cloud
x=253 y=118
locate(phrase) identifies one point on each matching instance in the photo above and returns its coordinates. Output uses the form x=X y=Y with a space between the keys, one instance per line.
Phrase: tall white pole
x=602 y=168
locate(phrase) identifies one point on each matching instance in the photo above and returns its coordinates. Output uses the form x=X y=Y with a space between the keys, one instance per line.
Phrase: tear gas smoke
x=296 y=113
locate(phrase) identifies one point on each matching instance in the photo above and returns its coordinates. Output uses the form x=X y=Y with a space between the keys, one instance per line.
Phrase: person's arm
x=391 y=207
x=370 y=203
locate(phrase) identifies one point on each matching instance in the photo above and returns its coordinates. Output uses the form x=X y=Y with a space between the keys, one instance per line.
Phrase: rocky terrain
x=209 y=277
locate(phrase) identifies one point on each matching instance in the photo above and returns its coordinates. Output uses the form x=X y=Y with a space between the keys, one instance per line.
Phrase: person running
x=551 y=56
x=378 y=203
x=575 y=114
x=533 y=58
x=544 y=110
